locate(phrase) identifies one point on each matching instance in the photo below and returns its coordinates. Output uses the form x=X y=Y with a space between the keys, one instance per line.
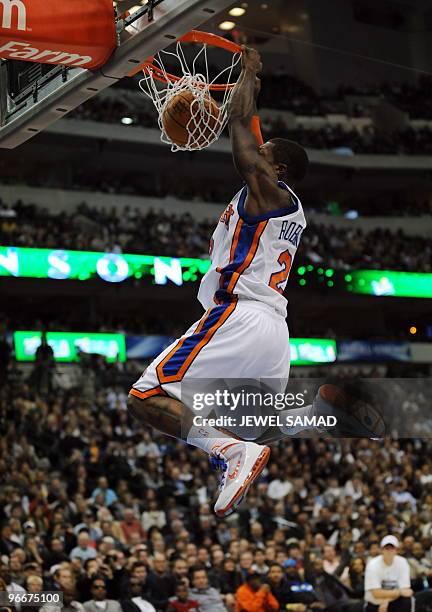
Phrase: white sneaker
x=241 y=463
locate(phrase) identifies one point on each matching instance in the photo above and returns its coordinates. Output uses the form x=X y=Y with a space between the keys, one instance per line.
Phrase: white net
x=208 y=115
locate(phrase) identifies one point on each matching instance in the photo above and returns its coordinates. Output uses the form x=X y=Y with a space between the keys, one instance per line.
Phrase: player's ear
x=281 y=169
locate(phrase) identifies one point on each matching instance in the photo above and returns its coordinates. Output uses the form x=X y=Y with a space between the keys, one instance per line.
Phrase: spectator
x=230 y=578
x=356 y=577
x=254 y=596
x=5 y=575
x=64 y=579
x=55 y=553
x=88 y=524
x=161 y=581
x=108 y=495
x=34 y=584
x=387 y=580
x=99 y=599
x=131 y=527
x=280 y=588
x=44 y=366
x=330 y=560
x=153 y=517
x=328 y=591
x=209 y=599
x=83 y=550
x=279 y=487
x=181 y=602
x=69 y=604
x=260 y=566
x=246 y=562
x=180 y=570
x=420 y=566
x=135 y=601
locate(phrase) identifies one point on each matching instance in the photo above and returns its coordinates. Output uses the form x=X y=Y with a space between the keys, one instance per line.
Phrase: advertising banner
x=67 y=345
x=78 y=34
x=362 y=350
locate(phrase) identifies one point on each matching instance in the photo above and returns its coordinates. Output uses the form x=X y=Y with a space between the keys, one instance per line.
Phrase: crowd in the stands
x=287 y=93
x=155 y=232
x=283 y=91
x=120 y=518
x=367 y=139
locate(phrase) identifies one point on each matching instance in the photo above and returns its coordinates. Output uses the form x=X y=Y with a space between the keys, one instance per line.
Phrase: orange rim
x=194 y=36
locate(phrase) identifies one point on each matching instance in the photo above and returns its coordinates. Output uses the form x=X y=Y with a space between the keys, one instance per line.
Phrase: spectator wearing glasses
x=387 y=580
x=99 y=601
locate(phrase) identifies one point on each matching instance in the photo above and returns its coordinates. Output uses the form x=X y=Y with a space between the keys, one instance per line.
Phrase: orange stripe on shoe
x=222 y=449
x=256 y=470
x=196 y=350
x=249 y=257
x=148 y=393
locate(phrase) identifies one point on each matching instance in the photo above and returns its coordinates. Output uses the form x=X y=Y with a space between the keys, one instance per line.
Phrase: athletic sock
x=207 y=438
x=294 y=430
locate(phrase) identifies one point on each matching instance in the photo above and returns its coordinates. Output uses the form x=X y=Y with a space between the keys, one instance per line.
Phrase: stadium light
x=226 y=25
x=127 y=120
x=237 y=11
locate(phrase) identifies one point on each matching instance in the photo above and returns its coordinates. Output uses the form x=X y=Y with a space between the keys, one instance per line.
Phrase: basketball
x=178 y=113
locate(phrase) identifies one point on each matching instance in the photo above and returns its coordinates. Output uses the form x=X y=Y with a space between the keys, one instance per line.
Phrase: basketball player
x=243 y=333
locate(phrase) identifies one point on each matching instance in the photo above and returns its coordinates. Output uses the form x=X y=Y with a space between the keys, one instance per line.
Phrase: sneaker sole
x=355 y=427
x=256 y=470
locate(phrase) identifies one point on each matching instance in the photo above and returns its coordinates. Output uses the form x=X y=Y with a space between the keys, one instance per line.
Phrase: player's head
x=288 y=158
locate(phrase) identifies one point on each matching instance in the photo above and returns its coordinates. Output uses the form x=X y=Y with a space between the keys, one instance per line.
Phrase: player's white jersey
x=251 y=257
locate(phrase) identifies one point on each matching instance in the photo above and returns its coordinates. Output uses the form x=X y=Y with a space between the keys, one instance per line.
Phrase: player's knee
x=138 y=408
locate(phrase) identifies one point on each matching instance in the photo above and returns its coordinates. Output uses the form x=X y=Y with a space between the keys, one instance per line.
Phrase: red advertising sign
x=76 y=33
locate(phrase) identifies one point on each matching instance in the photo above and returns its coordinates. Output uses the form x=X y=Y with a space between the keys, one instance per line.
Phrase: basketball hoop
x=208 y=117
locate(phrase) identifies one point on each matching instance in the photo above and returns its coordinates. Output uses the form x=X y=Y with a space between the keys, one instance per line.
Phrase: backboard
x=33 y=96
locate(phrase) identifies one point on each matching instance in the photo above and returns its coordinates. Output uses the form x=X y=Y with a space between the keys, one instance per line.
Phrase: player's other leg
x=354 y=404
x=241 y=462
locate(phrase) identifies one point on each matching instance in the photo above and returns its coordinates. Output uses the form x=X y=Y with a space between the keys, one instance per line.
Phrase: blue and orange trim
x=174 y=365
x=243 y=249
x=149 y=393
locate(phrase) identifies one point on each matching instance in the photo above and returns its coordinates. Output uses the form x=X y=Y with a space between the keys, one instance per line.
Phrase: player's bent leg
x=356 y=417
x=356 y=410
x=163 y=413
x=240 y=462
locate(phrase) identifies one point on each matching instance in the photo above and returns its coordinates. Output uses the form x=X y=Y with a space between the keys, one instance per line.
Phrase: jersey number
x=278 y=279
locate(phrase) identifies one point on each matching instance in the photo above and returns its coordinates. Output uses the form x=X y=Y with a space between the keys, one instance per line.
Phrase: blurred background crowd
x=97 y=506
x=154 y=232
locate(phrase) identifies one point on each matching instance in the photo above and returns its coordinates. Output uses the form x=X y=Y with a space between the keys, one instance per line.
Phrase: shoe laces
x=219 y=464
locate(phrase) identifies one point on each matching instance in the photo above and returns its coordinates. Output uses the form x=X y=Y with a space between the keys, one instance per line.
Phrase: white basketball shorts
x=237 y=340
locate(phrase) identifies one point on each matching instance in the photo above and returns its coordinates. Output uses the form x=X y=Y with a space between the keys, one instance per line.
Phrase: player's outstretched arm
x=261 y=178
